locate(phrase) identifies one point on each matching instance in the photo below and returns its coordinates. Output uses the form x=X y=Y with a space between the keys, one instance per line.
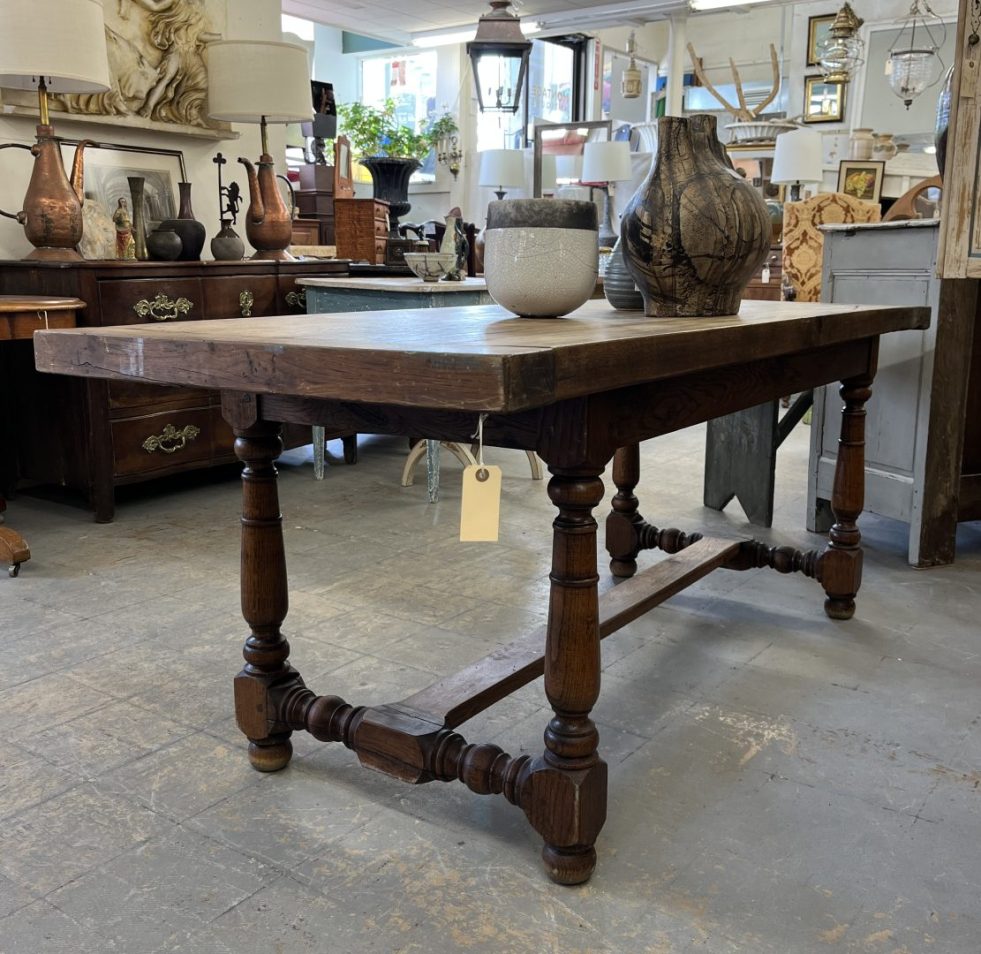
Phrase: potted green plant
x=389 y=149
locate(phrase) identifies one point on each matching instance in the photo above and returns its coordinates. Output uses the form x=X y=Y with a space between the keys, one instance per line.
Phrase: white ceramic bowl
x=540 y=272
x=430 y=266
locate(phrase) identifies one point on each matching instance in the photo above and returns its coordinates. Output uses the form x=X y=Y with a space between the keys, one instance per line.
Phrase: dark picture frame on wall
x=824 y=102
x=861 y=178
x=818 y=30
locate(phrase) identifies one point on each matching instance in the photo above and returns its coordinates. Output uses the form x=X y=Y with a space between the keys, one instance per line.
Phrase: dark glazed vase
x=188 y=228
x=390 y=178
x=618 y=285
x=695 y=232
x=163 y=243
x=943 y=120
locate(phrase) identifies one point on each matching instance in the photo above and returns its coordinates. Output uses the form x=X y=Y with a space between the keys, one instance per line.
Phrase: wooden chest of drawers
x=361 y=229
x=93 y=436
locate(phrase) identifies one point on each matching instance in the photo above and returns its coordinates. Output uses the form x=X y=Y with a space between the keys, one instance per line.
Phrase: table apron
x=588 y=428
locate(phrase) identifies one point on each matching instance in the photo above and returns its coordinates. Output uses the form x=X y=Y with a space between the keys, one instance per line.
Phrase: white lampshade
x=606 y=162
x=63 y=41
x=797 y=157
x=249 y=80
x=548 y=173
x=568 y=167
x=502 y=167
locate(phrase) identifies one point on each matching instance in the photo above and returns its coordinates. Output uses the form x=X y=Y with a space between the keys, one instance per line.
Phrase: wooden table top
x=389 y=283
x=477 y=357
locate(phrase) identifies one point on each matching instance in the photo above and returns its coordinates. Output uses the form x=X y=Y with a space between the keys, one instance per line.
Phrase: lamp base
x=47 y=253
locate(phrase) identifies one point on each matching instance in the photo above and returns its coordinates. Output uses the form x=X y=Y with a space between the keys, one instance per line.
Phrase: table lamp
x=604 y=164
x=57 y=46
x=503 y=168
x=252 y=81
x=797 y=160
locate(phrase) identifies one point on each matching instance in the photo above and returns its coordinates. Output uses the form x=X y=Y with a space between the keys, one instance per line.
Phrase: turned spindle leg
x=841 y=561
x=264 y=599
x=565 y=797
x=622 y=541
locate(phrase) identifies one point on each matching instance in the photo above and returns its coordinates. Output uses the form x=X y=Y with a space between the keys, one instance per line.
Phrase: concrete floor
x=779 y=782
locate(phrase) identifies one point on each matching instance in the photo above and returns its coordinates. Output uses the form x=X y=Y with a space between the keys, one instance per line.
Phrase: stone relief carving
x=156 y=62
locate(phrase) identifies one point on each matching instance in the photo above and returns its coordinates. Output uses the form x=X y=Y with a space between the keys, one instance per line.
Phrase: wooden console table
x=574 y=390
x=20 y=317
x=93 y=436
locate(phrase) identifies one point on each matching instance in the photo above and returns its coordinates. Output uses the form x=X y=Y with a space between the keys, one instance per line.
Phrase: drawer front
x=130 y=394
x=161 y=442
x=136 y=301
x=239 y=296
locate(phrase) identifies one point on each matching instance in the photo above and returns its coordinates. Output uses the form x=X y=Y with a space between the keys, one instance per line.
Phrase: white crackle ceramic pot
x=541 y=256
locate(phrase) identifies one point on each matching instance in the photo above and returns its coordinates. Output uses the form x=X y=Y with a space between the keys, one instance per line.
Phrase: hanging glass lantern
x=499 y=56
x=842 y=53
x=631 y=83
x=914 y=62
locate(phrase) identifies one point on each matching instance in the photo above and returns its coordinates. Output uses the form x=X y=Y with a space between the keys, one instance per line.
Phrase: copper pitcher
x=52 y=213
x=268 y=223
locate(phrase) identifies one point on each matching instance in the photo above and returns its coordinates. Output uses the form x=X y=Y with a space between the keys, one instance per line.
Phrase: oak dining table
x=579 y=391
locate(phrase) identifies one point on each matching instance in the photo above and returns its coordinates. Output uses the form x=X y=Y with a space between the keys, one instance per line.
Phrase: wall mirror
x=564 y=139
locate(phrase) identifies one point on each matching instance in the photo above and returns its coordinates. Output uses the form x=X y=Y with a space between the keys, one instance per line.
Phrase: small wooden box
x=361 y=229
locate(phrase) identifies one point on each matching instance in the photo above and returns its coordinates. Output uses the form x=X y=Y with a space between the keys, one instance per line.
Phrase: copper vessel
x=268 y=223
x=52 y=213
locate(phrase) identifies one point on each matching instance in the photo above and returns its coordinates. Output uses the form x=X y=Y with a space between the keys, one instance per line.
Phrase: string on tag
x=482 y=473
x=44 y=315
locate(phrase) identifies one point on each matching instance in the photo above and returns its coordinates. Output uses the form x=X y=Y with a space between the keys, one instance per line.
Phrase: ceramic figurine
x=455 y=241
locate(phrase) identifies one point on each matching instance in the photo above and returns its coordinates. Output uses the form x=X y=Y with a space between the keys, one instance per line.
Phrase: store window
x=409 y=79
x=553 y=94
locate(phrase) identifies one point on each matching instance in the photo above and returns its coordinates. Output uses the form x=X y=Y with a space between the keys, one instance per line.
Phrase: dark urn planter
x=390 y=178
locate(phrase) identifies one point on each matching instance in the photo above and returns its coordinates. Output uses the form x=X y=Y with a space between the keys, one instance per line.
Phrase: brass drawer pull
x=162 y=308
x=298 y=299
x=171 y=440
x=245 y=302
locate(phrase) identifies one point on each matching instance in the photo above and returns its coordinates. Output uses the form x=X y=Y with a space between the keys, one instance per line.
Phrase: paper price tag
x=480 y=505
x=765 y=276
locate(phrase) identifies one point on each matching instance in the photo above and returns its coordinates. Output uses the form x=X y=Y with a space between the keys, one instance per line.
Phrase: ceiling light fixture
x=842 y=53
x=499 y=54
x=914 y=62
x=702 y=5
x=631 y=83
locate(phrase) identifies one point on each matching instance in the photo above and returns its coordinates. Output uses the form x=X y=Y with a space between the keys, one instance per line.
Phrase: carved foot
x=838 y=608
x=270 y=754
x=569 y=866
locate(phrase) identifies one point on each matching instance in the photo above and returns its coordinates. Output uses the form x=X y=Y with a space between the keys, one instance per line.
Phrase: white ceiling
x=399 y=20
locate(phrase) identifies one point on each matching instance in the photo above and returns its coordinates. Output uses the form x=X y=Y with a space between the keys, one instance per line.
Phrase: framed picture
x=824 y=102
x=818 y=31
x=861 y=178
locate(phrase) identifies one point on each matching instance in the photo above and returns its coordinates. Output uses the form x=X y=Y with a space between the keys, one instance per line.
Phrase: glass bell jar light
x=914 y=63
x=843 y=52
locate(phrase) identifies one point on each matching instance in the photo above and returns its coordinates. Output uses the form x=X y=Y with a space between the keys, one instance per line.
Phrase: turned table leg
x=565 y=793
x=264 y=599
x=622 y=540
x=840 y=569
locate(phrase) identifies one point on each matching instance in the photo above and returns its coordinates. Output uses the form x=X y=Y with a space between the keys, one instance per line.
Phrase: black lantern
x=499 y=54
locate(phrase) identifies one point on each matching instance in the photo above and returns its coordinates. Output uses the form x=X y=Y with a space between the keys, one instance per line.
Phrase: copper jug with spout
x=268 y=222
x=52 y=213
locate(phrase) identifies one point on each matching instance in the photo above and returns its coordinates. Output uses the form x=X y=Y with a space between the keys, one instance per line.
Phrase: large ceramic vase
x=695 y=232
x=390 y=178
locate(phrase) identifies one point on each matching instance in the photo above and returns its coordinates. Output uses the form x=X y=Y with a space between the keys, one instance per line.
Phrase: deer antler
x=742 y=112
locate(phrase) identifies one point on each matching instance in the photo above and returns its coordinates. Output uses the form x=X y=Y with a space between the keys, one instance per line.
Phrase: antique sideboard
x=93 y=436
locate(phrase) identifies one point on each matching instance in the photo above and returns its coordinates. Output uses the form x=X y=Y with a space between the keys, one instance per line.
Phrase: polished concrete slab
x=779 y=782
